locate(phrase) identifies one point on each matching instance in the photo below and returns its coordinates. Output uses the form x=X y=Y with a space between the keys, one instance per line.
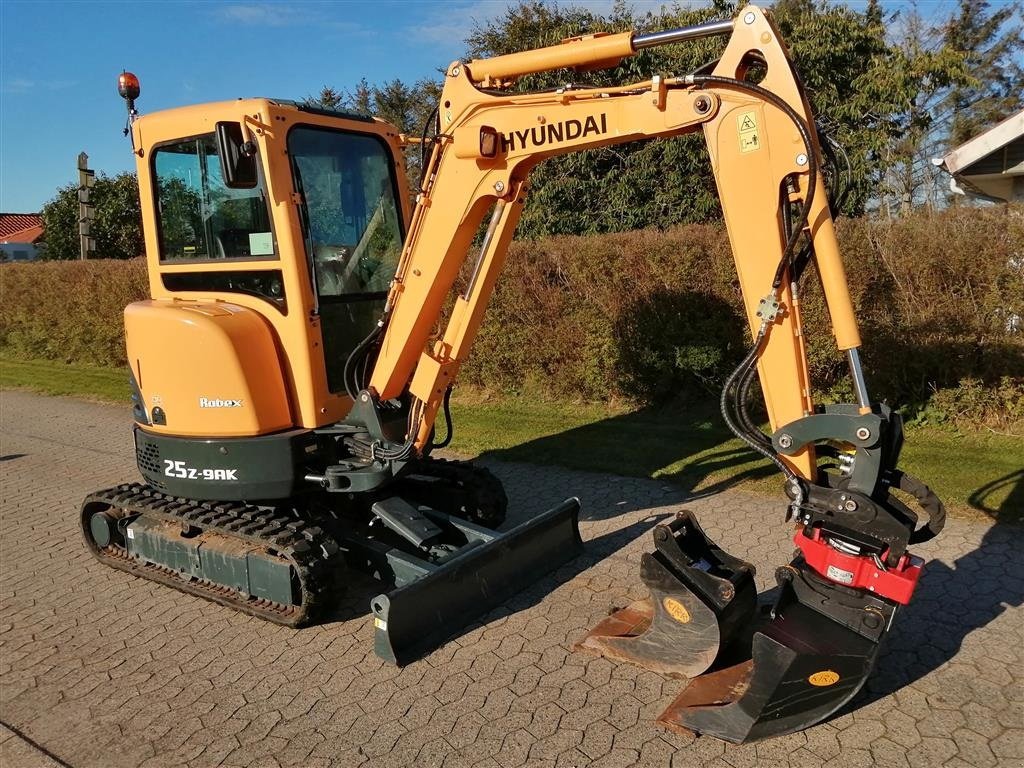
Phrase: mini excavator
x=303 y=336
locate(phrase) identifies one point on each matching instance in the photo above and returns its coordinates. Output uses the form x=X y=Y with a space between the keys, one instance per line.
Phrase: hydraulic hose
x=725 y=406
x=348 y=374
x=805 y=135
x=448 y=424
x=742 y=403
x=737 y=386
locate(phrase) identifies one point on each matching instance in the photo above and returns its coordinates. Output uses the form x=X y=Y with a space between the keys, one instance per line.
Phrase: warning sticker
x=749 y=138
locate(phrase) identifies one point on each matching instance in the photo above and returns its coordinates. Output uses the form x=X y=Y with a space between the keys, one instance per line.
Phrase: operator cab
x=291 y=214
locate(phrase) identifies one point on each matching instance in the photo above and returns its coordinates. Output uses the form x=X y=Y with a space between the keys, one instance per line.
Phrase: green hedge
x=653 y=315
x=69 y=311
x=649 y=316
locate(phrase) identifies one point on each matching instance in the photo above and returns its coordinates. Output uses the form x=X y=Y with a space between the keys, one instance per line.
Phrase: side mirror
x=237 y=156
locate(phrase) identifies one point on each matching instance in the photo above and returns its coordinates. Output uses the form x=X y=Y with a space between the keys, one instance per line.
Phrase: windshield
x=201 y=218
x=352 y=222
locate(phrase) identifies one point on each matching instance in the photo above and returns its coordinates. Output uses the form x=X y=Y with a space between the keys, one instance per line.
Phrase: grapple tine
x=699 y=599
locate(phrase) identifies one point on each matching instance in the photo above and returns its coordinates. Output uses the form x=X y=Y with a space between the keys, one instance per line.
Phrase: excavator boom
x=761 y=141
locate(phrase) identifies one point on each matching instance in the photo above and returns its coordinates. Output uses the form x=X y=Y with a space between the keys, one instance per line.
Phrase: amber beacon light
x=128 y=86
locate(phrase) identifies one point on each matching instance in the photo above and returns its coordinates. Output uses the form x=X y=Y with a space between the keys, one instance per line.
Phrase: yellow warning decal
x=824 y=678
x=380 y=624
x=676 y=610
x=749 y=135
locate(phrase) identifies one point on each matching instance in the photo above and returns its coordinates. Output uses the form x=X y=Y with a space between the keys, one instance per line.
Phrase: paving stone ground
x=98 y=668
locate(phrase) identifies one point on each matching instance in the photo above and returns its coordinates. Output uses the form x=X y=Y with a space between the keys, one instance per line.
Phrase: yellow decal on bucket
x=676 y=610
x=824 y=678
x=749 y=139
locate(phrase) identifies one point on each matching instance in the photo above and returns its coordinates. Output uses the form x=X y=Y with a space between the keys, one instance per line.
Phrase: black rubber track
x=490 y=504
x=313 y=554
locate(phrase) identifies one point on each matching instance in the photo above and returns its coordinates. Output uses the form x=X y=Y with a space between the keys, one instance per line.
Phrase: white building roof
x=992 y=164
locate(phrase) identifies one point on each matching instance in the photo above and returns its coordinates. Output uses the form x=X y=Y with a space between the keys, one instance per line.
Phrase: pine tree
x=328 y=98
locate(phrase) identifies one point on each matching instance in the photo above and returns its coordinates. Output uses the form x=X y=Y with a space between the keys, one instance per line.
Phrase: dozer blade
x=700 y=599
x=806 y=662
x=445 y=597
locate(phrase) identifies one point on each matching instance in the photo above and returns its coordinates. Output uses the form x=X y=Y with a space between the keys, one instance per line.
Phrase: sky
x=59 y=63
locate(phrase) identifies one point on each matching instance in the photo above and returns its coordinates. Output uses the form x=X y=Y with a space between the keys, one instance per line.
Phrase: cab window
x=201 y=218
x=351 y=217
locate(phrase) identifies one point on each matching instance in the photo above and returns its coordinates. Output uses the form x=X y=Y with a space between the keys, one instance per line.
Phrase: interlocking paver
x=101 y=669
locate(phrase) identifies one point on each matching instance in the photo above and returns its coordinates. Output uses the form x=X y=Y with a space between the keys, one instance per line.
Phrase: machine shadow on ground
x=952 y=601
x=643 y=443
x=664 y=357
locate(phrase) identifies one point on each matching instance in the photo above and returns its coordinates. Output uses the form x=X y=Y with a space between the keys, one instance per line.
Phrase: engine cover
x=209 y=369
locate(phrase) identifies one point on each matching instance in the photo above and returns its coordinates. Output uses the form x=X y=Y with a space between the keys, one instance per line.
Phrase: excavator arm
x=839 y=595
x=763 y=150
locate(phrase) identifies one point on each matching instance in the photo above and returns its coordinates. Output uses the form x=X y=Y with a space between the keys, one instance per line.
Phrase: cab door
x=353 y=233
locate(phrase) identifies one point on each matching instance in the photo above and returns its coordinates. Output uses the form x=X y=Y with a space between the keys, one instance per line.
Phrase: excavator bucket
x=807 y=661
x=700 y=598
x=431 y=600
x=775 y=671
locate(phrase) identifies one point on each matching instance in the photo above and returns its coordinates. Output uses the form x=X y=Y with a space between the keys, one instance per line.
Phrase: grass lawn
x=976 y=473
x=49 y=378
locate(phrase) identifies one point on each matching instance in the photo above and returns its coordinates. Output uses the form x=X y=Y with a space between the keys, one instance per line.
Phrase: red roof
x=20 y=227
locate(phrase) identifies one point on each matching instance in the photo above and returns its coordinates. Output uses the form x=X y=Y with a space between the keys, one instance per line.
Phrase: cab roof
x=254 y=104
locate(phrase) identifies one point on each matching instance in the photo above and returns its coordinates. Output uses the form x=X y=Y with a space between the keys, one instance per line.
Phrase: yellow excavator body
x=214 y=365
x=291 y=363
